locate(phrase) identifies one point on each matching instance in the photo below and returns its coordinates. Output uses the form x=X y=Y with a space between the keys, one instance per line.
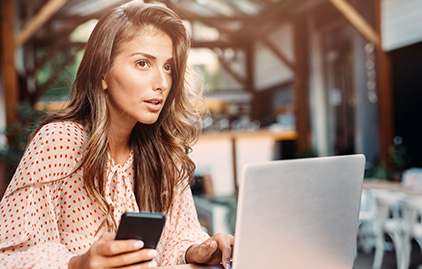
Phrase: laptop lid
x=300 y=213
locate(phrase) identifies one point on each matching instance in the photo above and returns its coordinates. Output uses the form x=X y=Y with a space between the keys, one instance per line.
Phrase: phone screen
x=145 y=226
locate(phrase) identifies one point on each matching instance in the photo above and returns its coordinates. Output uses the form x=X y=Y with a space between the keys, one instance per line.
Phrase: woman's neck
x=119 y=143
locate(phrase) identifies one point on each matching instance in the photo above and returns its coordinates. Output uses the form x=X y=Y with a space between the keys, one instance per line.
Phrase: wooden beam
x=214 y=44
x=39 y=19
x=301 y=86
x=250 y=76
x=228 y=68
x=353 y=16
x=270 y=45
x=8 y=69
x=215 y=21
x=385 y=97
x=275 y=12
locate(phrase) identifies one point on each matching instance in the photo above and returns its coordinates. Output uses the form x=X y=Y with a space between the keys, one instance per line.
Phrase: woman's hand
x=107 y=252
x=216 y=249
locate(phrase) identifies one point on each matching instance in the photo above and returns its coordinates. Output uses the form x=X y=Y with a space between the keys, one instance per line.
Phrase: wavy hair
x=161 y=149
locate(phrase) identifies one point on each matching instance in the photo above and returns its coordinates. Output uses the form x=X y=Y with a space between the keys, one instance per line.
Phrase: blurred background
x=283 y=79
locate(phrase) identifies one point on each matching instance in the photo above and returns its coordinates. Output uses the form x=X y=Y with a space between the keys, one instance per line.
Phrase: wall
x=269 y=70
x=401 y=23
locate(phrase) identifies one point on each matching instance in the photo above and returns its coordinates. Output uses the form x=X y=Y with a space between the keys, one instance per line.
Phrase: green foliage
x=377 y=171
x=306 y=153
x=399 y=163
x=19 y=134
x=400 y=158
x=58 y=68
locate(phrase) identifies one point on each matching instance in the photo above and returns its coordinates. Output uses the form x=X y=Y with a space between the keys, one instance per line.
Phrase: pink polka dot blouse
x=46 y=216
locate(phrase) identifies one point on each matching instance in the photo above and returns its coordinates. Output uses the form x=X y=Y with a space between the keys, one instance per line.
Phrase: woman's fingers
x=107 y=236
x=108 y=253
x=144 y=255
x=225 y=244
x=144 y=265
x=207 y=249
x=112 y=248
x=216 y=249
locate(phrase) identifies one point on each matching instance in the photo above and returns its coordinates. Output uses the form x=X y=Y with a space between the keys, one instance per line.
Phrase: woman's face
x=140 y=78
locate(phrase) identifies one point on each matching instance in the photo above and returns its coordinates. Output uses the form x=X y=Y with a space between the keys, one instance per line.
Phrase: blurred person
x=120 y=145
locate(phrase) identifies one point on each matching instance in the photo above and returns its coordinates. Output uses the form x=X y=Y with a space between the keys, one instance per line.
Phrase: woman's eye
x=142 y=63
x=168 y=68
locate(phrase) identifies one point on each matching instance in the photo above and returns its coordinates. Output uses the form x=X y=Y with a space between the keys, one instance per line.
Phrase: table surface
x=390 y=185
x=192 y=266
x=186 y=266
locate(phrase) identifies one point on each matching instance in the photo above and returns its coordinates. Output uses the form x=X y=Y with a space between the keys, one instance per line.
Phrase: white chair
x=412 y=212
x=388 y=222
x=366 y=225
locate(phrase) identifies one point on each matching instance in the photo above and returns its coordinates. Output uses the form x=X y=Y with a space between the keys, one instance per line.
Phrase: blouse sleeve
x=182 y=229
x=29 y=236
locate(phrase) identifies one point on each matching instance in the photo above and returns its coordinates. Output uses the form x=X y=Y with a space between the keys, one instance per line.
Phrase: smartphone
x=145 y=226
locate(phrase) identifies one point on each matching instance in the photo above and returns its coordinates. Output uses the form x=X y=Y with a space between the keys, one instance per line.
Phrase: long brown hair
x=161 y=149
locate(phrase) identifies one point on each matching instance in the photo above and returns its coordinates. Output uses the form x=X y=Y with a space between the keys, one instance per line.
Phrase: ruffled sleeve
x=29 y=233
x=182 y=229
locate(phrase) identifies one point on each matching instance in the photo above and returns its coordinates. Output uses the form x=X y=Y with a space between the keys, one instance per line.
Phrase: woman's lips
x=154 y=105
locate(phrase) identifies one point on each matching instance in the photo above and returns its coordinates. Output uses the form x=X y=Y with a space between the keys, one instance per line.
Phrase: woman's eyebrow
x=149 y=56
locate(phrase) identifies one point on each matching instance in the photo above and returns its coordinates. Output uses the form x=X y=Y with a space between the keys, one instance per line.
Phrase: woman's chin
x=149 y=121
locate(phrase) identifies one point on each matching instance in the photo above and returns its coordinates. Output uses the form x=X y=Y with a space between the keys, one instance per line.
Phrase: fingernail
x=227 y=266
x=139 y=244
x=152 y=264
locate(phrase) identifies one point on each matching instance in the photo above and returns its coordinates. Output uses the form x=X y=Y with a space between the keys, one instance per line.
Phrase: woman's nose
x=162 y=80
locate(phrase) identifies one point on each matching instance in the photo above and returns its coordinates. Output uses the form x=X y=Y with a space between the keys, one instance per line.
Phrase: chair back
x=411 y=207
x=388 y=206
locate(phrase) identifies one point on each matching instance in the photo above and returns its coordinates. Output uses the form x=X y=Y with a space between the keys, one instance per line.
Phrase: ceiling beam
x=215 y=22
x=270 y=45
x=215 y=44
x=226 y=65
x=278 y=11
x=353 y=16
x=262 y=2
x=39 y=19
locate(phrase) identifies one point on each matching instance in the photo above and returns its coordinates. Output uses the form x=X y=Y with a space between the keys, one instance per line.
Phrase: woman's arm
x=29 y=232
x=29 y=237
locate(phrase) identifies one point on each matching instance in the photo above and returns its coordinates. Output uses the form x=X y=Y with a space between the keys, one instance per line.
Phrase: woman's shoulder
x=54 y=153
x=61 y=132
x=63 y=127
x=61 y=142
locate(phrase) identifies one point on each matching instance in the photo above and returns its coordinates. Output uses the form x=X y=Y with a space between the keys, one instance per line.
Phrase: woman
x=120 y=145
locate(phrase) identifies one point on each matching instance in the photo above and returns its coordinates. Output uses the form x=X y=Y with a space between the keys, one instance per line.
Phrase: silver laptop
x=300 y=213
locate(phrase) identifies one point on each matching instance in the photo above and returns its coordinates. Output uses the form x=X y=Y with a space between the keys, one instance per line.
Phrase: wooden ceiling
x=46 y=25
x=47 y=22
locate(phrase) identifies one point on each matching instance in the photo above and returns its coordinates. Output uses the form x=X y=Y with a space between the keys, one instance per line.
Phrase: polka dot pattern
x=182 y=229
x=46 y=216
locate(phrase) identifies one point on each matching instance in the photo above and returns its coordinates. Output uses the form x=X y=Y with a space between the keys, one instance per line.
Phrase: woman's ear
x=104 y=84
